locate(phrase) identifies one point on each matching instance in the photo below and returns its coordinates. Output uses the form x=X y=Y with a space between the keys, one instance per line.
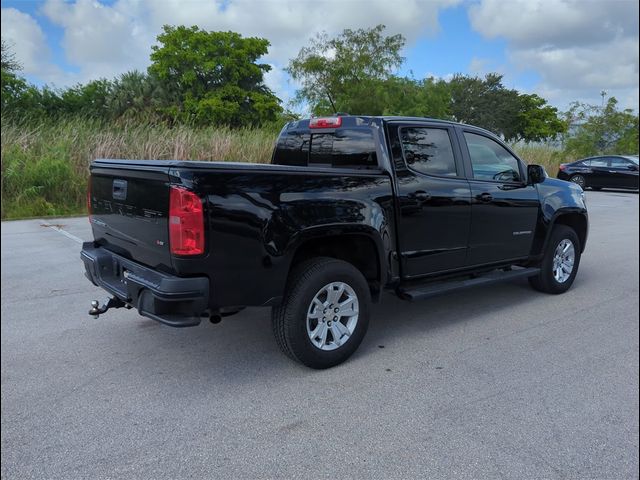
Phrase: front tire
x=325 y=313
x=560 y=262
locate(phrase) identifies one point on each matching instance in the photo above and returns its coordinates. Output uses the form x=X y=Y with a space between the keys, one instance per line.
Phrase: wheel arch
x=361 y=248
x=575 y=220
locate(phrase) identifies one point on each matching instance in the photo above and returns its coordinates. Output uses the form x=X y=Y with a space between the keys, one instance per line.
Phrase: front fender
x=558 y=200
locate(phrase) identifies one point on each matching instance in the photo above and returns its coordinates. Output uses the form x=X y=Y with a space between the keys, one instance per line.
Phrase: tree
x=13 y=87
x=487 y=103
x=89 y=100
x=601 y=130
x=214 y=77
x=417 y=98
x=138 y=95
x=536 y=120
x=8 y=62
x=347 y=73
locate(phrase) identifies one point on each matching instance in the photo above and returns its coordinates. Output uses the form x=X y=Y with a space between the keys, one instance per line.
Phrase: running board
x=438 y=288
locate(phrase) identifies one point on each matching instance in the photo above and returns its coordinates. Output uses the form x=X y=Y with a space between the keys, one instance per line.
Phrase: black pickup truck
x=349 y=206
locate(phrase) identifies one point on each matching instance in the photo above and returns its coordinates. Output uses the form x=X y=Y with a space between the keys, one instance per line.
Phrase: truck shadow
x=241 y=350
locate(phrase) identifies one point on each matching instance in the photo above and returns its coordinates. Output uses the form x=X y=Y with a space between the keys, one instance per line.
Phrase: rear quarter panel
x=257 y=216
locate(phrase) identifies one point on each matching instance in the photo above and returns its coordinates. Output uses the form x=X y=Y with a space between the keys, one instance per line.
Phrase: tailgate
x=129 y=204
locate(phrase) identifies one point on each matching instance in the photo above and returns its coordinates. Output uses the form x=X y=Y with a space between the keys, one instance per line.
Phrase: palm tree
x=136 y=94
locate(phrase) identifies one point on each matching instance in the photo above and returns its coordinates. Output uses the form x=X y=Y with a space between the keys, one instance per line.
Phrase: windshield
x=633 y=158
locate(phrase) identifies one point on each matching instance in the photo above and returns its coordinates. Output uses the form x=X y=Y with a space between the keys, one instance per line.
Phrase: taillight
x=325 y=122
x=186 y=222
x=562 y=167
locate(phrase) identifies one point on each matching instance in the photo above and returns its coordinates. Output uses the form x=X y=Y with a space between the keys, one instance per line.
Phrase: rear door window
x=428 y=150
x=599 y=162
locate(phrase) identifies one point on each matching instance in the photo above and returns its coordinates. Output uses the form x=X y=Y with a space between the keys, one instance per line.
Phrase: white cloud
x=478 y=66
x=446 y=77
x=276 y=80
x=288 y=24
x=578 y=48
x=610 y=65
x=101 y=40
x=26 y=38
x=560 y=23
x=29 y=44
x=104 y=40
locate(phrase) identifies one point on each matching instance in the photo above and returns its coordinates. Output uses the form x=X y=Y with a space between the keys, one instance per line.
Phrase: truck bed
x=255 y=216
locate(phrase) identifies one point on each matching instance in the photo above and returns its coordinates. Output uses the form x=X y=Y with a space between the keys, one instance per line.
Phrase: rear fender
x=349 y=242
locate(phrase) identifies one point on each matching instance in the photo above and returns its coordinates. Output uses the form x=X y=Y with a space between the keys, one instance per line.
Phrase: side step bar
x=438 y=288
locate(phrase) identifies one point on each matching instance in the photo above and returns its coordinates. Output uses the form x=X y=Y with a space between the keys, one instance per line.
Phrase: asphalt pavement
x=495 y=382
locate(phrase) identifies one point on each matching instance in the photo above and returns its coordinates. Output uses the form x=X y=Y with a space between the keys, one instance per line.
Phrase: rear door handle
x=485 y=197
x=422 y=195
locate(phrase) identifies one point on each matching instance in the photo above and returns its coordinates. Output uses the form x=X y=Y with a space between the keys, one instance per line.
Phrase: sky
x=562 y=50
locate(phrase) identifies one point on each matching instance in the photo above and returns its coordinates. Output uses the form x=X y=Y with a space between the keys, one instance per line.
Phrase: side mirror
x=633 y=168
x=536 y=174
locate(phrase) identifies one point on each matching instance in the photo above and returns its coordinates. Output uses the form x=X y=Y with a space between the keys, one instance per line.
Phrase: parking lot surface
x=498 y=381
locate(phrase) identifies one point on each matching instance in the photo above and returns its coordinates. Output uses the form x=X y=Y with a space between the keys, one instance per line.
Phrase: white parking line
x=60 y=230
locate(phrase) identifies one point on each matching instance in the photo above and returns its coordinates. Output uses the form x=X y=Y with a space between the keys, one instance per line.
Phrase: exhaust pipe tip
x=215 y=318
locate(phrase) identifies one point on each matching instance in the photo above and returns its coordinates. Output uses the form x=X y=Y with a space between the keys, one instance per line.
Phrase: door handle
x=613 y=171
x=485 y=197
x=421 y=196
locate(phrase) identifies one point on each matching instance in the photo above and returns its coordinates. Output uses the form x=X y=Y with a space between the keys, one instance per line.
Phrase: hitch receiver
x=113 y=302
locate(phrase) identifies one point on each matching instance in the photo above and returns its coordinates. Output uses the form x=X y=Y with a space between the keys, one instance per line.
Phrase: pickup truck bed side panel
x=258 y=216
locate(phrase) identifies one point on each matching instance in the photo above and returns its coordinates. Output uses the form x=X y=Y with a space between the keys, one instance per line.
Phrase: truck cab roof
x=342 y=140
x=364 y=120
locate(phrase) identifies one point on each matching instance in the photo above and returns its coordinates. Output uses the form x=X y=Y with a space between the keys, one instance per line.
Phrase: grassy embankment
x=44 y=167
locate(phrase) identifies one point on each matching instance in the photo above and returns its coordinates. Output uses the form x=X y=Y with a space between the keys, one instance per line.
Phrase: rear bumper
x=175 y=301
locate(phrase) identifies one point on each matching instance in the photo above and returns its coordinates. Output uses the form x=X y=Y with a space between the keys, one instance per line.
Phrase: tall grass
x=549 y=156
x=45 y=166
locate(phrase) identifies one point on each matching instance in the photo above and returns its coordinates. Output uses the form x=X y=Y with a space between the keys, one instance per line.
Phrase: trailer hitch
x=113 y=302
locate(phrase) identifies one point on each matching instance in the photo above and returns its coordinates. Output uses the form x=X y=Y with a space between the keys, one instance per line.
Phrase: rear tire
x=579 y=180
x=560 y=262
x=325 y=313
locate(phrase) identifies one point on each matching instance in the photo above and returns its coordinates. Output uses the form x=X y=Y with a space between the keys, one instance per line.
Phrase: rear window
x=346 y=148
x=292 y=149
